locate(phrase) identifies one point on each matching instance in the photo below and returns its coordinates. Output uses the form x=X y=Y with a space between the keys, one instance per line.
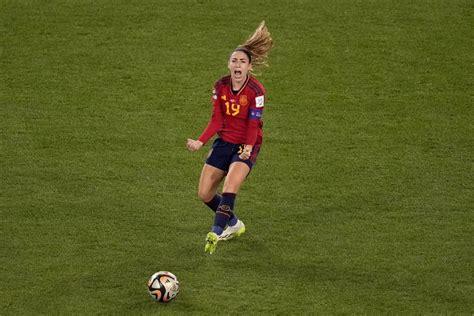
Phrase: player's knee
x=205 y=195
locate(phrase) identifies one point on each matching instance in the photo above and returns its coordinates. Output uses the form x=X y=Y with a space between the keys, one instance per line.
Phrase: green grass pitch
x=362 y=199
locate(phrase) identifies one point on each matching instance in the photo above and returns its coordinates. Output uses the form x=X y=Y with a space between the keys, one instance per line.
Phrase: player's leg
x=237 y=174
x=210 y=180
x=217 y=164
x=208 y=184
x=207 y=192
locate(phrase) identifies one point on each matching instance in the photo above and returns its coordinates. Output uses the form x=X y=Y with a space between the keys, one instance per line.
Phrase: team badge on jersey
x=243 y=100
x=259 y=101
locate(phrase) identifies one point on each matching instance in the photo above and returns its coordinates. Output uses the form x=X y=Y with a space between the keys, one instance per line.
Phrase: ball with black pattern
x=163 y=286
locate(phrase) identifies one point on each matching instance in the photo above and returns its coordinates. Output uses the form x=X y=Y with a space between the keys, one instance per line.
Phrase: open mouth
x=237 y=72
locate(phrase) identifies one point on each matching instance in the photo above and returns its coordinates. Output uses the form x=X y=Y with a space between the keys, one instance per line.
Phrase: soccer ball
x=163 y=286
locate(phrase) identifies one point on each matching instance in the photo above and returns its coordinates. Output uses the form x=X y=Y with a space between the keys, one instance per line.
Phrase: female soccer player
x=238 y=102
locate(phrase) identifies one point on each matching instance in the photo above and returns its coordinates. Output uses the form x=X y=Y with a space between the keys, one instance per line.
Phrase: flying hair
x=257 y=46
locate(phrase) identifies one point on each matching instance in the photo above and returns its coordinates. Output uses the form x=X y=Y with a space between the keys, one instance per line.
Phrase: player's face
x=239 y=65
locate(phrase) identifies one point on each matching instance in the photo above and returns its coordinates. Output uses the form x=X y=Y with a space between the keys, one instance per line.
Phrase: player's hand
x=193 y=145
x=246 y=152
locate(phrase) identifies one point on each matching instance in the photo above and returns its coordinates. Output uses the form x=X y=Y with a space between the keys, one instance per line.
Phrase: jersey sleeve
x=215 y=123
x=255 y=118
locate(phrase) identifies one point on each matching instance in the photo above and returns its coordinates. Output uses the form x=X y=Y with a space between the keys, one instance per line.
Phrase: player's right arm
x=214 y=125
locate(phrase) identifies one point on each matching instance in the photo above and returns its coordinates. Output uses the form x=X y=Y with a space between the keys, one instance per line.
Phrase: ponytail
x=257 y=46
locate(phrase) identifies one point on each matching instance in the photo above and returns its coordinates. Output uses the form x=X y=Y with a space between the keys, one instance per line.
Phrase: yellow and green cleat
x=211 y=242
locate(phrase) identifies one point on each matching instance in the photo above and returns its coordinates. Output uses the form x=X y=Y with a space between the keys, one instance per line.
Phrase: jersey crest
x=243 y=100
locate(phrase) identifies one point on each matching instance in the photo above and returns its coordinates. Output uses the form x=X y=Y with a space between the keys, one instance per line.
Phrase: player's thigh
x=237 y=174
x=209 y=181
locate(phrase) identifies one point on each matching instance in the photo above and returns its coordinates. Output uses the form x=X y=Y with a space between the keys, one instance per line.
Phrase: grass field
x=362 y=199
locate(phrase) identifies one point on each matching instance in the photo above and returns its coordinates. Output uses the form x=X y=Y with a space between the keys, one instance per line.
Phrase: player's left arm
x=257 y=105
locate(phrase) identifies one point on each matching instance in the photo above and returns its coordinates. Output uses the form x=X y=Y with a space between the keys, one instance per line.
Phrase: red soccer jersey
x=236 y=117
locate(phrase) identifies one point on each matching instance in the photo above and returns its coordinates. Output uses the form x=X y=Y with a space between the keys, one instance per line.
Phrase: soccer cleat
x=233 y=231
x=211 y=242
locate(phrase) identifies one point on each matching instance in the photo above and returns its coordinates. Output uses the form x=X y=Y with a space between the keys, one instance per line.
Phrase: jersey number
x=232 y=109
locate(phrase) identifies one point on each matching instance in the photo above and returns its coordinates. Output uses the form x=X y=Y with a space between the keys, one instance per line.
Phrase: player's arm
x=254 y=122
x=254 y=119
x=214 y=125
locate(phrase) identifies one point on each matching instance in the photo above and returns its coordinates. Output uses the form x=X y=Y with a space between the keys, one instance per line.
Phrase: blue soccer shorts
x=223 y=154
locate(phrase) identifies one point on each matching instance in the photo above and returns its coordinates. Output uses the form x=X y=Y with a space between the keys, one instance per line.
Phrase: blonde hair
x=257 y=46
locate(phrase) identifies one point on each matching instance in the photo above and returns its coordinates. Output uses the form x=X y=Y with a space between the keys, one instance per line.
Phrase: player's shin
x=213 y=204
x=224 y=213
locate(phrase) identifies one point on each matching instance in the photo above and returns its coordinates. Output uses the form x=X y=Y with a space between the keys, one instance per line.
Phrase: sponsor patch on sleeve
x=214 y=94
x=259 y=101
x=255 y=114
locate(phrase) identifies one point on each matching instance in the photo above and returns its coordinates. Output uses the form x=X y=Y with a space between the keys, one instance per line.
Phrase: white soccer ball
x=163 y=286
